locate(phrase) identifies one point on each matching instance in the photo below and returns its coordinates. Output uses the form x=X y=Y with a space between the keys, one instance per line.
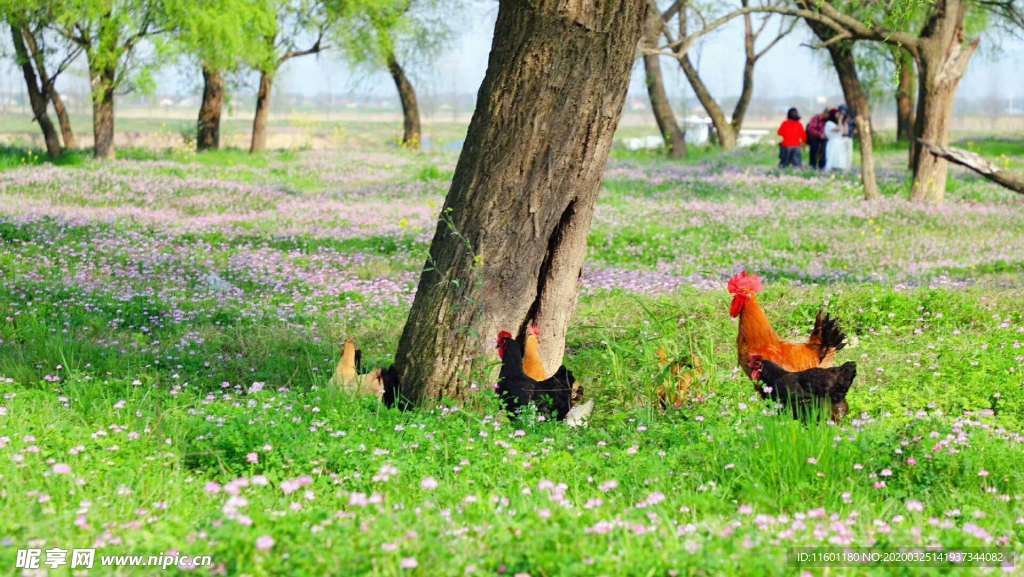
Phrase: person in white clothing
x=839 y=148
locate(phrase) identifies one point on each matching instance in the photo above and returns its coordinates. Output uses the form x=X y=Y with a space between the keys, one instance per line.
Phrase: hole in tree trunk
x=554 y=242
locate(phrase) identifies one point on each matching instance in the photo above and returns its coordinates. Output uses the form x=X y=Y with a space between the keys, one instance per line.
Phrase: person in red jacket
x=793 y=138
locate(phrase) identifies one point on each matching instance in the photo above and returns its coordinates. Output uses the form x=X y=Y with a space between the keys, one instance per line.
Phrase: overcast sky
x=790 y=69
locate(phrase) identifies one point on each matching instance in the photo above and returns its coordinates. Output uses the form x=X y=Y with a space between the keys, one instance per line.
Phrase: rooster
x=533 y=365
x=757 y=340
x=553 y=395
x=800 y=390
x=347 y=377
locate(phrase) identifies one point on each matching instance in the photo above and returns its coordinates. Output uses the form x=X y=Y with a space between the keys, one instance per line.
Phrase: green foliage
x=111 y=32
x=221 y=34
x=373 y=32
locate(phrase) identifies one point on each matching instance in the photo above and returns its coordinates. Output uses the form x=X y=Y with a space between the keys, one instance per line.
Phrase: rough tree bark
x=36 y=98
x=905 y=95
x=943 y=55
x=856 y=98
x=50 y=89
x=1007 y=179
x=411 y=132
x=208 y=123
x=671 y=134
x=259 y=119
x=103 y=79
x=63 y=118
x=510 y=244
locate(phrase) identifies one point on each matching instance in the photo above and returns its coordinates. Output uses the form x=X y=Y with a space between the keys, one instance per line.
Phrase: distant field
x=327 y=130
x=169 y=321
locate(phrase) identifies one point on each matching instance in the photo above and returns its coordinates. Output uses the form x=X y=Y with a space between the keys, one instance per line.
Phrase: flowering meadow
x=169 y=322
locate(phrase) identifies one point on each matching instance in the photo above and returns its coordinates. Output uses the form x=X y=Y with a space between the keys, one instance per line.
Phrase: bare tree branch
x=314 y=49
x=783 y=32
x=1011 y=180
x=684 y=43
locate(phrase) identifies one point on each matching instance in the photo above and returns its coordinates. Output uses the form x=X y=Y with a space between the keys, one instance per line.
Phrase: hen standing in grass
x=346 y=374
x=757 y=340
x=517 y=388
x=800 y=391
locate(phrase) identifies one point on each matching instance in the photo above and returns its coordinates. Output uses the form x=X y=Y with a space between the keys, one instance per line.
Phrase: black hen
x=552 y=396
x=800 y=391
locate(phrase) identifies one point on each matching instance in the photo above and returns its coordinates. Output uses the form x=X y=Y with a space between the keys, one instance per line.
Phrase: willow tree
x=110 y=33
x=220 y=36
x=293 y=23
x=510 y=243
x=391 y=35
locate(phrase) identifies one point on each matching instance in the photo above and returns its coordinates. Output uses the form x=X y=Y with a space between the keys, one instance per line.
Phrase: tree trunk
x=739 y=112
x=671 y=134
x=510 y=243
x=208 y=123
x=50 y=89
x=857 y=100
x=102 y=81
x=942 y=67
x=36 y=99
x=905 y=96
x=63 y=118
x=943 y=53
x=259 y=121
x=724 y=135
x=410 y=109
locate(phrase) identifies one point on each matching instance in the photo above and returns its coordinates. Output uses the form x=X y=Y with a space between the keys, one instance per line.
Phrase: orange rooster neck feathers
x=533 y=366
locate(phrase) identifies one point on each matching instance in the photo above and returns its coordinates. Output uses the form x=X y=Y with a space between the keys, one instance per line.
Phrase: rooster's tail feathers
x=827 y=333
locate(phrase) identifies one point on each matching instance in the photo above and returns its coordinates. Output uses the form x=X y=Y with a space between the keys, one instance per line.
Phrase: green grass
x=123 y=356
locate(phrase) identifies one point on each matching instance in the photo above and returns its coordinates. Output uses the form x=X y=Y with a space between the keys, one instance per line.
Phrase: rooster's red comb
x=503 y=336
x=745 y=283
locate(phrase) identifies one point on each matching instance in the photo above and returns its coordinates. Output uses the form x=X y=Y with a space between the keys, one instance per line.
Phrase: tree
x=110 y=33
x=727 y=129
x=942 y=49
x=841 y=52
x=386 y=33
x=906 y=75
x=294 y=20
x=671 y=133
x=27 y=20
x=209 y=33
x=510 y=243
x=36 y=42
x=36 y=97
